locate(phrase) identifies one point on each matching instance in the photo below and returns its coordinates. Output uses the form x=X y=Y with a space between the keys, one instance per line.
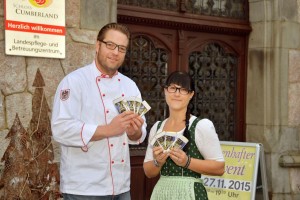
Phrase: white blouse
x=206 y=139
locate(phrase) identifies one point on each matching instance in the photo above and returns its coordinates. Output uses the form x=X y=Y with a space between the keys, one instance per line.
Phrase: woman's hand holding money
x=179 y=157
x=160 y=156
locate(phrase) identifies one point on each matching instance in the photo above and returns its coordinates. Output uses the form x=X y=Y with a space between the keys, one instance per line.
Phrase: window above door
x=217 y=8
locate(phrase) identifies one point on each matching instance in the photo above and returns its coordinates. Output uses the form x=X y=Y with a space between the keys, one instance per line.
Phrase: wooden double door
x=217 y=63
x=209 y=40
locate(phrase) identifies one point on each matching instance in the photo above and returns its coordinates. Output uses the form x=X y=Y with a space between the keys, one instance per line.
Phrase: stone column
x=272 y=111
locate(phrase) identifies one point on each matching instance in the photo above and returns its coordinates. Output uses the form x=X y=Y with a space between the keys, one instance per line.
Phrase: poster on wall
x=241 y=168
x=35 y=28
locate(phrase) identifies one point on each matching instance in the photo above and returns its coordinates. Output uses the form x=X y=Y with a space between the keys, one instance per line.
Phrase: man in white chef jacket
x=94 y=137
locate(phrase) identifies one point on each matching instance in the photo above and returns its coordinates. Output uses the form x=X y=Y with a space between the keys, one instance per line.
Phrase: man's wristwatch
x=156 y=163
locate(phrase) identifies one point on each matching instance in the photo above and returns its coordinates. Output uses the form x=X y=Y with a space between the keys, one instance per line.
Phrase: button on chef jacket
x=84 y=100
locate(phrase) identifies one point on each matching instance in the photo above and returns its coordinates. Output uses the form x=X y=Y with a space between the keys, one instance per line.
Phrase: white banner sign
x=35 y=28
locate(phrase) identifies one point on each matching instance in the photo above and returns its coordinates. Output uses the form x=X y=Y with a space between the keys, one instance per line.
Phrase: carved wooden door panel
x=217 y=64
x=151 y=55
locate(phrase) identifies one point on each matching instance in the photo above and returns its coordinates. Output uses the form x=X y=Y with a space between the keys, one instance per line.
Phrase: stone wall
x=84 y=18
x=273 y=106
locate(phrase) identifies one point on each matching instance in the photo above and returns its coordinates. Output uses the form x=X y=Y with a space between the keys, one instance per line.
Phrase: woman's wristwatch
x=156 y=163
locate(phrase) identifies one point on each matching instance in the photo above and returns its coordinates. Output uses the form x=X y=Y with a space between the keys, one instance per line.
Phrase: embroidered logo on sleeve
x=64 y=94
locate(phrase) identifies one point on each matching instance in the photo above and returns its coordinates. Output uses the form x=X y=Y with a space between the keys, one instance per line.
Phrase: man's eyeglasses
x=112 y=46
x=173 y=89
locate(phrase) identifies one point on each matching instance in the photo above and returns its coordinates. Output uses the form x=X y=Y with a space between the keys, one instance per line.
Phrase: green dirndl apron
x=175 y=188
x=178 y=183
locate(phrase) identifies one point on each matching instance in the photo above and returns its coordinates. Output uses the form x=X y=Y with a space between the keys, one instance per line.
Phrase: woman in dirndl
x=180 y=164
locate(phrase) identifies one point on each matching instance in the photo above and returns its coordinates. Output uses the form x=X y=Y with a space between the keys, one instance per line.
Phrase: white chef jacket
x=84 y=100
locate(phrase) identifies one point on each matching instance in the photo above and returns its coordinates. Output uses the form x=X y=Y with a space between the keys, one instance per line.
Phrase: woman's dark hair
x=183 y=80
